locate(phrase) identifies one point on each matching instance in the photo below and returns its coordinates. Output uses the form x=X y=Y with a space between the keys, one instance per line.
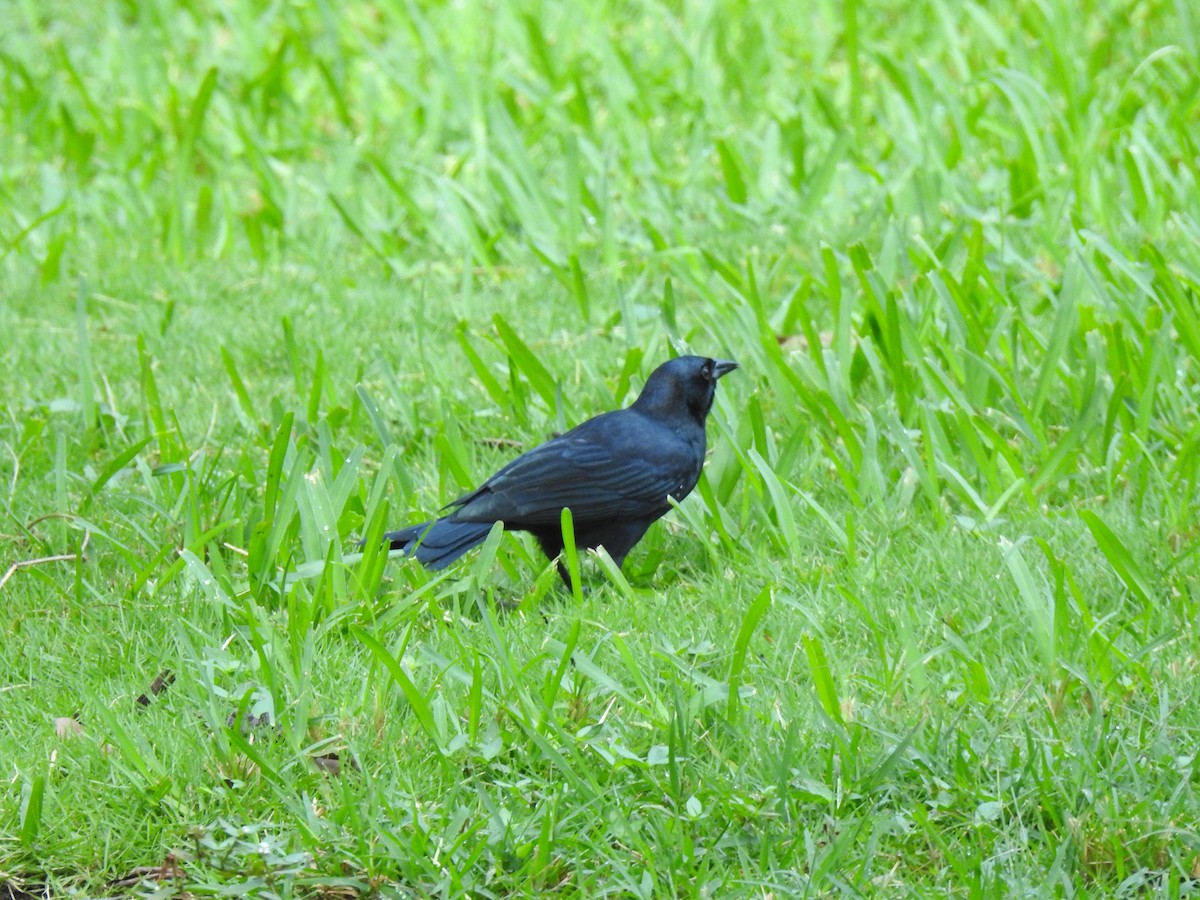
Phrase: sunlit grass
x=277 y=278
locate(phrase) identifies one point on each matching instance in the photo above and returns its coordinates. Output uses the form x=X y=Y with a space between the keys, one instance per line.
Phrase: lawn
x=276 y=276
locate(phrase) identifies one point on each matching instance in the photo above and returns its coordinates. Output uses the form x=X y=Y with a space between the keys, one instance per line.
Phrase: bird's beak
x=723 y=367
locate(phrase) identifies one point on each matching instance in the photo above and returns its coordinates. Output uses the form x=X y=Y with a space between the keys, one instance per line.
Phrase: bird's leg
x=565 y=574
x=550 y=540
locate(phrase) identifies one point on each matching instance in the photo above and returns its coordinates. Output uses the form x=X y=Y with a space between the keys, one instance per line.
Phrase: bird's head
x=686 y=384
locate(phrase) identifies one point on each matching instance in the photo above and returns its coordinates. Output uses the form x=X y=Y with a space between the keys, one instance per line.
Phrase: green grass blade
x=570 y=555
x=754 y=614
x=416 y=700
x=239 y=388
x=1119 y=557
x=32 y=795
x=539 y=378
x=822 y=676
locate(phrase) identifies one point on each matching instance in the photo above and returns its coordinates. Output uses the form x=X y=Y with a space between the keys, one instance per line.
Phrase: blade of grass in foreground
x=541 y=380
x=570 y=553
x=750 y=622
x=416 y=700
x=826 y=690
x=1037 y=602
x=1119 y=557
x=787 y=537
x=87 y=388
x=31 y=808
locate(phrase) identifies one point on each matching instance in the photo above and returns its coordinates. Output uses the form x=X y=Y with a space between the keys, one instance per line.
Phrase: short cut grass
x=274 y=277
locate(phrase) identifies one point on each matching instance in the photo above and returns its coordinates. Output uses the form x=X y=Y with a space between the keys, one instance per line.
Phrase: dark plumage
x=615 y=473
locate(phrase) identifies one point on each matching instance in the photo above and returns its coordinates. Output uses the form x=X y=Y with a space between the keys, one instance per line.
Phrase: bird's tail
x=439 y=542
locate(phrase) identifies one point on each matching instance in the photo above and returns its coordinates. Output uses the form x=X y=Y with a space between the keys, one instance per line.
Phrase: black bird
x=615 y=473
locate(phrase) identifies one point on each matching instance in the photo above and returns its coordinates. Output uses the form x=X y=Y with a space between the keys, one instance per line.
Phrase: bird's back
x=620 y=464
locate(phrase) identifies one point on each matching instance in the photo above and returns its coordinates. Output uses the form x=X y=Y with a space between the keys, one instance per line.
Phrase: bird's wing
x=597 y=480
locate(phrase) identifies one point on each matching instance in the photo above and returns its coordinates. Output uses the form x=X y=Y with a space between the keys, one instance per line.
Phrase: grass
x=275 y=277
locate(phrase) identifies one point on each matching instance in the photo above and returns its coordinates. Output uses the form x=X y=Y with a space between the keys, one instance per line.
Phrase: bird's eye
x=706 y=372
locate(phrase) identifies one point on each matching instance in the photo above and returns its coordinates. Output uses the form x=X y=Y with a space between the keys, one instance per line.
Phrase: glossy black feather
x=615 y=472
